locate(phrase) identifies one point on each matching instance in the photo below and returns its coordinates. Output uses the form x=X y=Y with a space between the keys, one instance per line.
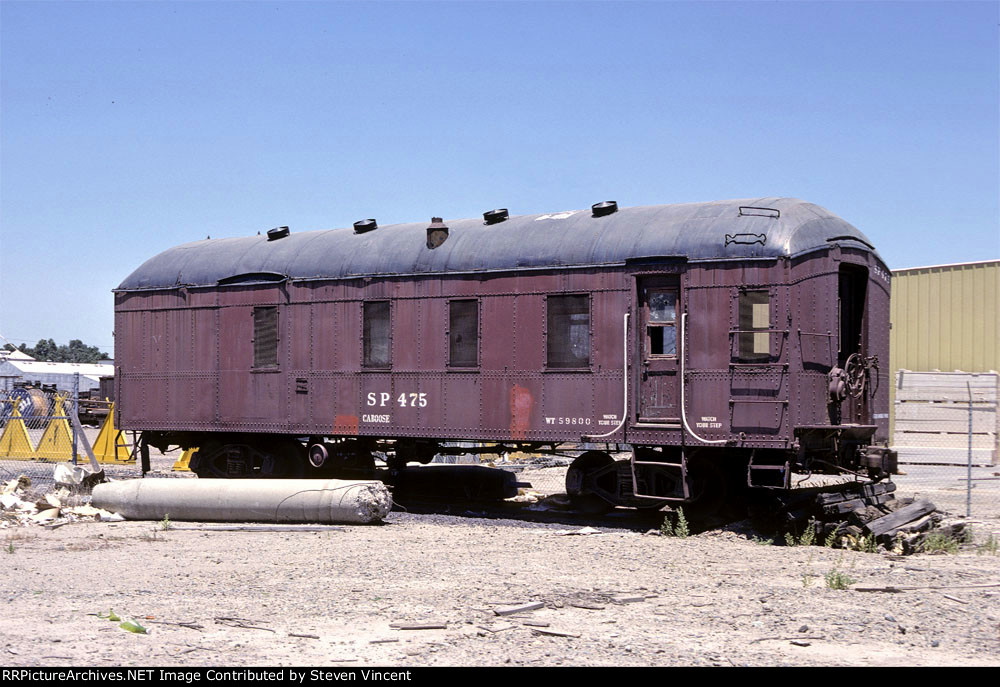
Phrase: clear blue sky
x=127 y=128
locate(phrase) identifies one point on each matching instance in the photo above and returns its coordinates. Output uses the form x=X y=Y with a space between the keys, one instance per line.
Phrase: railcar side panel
x=740 y=319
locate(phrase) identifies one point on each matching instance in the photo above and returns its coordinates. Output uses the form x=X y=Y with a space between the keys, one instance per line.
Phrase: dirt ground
x=619 y=597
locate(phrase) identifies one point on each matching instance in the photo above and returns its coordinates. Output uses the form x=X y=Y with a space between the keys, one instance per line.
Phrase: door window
x=661 y=323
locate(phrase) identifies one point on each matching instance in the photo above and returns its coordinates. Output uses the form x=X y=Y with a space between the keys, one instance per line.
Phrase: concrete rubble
x=54 y=508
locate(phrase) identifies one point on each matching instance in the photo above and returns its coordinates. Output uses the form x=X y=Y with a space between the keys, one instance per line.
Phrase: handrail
x=683 y=409
x=624 y=384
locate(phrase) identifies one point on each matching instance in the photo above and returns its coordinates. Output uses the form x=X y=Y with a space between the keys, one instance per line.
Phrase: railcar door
x=852 y=306
x=659 y=385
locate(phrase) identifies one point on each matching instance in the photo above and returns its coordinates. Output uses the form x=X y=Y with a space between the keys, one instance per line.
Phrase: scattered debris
x=894 y=590
x=523 y=608
x=586 y=605
x=190 y=626
x=786 y=639
x=861 y=516
x=293 y=634
x=51 y=509
x=627 y=599
x=418 y=626
x=555 y=633
x=526 y=496
x=954 y=598
x=581 y=531
x=128 y=624
x=194 y=648
x=76 y=476
x=499 y=628
x=258 y=528
x=133 y=626
x=241 y=622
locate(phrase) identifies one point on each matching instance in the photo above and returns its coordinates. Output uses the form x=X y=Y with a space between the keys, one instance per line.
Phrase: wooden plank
x=946 y=386
x=418 y=626
x=907 y=379
x=555 y=633
x=914 y=526
x=843 y=507
x=878 y=488
x=917 y=455
x=900 y=517
x=945 y=417
x=956 y=395
x=868 y=491
x=943 y=440
x=522 y=608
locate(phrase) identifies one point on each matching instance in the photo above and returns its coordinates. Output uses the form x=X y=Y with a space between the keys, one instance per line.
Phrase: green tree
x=75 y=352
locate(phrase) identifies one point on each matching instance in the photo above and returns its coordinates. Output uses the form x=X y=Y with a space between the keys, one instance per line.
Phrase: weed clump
x=807 y=538
x=940 y=542
x=675 y=525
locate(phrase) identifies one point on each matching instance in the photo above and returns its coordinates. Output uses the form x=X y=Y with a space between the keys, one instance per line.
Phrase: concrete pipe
x=246 y=500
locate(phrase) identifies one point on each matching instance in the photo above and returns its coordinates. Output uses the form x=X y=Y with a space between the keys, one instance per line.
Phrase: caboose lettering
x=722 y=345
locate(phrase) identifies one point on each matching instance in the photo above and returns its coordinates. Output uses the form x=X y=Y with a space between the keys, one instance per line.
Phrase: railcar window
x=661 y=324
x=265 y=337
x=377 y=345
x=568 y=343
x=755 y=313
x=463 y=333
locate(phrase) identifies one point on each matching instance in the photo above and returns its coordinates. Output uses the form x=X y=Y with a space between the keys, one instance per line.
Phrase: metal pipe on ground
x=246 y=500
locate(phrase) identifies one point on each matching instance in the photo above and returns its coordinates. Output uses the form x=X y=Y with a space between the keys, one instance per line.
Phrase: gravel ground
x=618 y=597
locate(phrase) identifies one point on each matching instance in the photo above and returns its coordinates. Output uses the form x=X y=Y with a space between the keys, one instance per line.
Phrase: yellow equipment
x=183 y=463
x=57 y=440
x=109 y=446
x=15 y=442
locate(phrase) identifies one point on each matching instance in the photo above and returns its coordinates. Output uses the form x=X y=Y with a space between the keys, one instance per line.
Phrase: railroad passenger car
x=721 y=344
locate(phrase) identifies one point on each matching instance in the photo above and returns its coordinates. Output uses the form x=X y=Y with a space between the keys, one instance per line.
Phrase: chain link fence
x=42 y=426
x=945 y=430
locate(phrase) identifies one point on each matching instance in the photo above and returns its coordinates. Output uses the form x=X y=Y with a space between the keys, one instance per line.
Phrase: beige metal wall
x=946 y=318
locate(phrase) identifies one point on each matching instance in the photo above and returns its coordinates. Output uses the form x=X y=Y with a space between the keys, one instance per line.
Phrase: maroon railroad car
x=722 y=343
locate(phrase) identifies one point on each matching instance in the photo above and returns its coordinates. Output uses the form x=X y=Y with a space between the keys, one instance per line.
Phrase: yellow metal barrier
x=15 y=442
x=109 y=446
x=183 y=463
x=56 y=443
x=57 y=440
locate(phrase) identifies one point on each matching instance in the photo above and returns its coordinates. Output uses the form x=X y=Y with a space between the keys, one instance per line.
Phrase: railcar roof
x=719 y=230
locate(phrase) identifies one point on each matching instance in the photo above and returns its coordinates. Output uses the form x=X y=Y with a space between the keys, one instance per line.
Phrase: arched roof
x=728 y=229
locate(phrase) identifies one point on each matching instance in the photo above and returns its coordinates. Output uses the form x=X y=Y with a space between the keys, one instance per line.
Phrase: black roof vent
x=364 y=225
x=277 y=233
x=496 y=216
x=437 y=232
x=608 y=207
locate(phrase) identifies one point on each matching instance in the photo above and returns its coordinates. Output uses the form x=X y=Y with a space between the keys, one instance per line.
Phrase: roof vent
x=361 y=226
x=277 y=233
x=495 y=216
x=437 y=232
x=608 y=207
x=752 y=211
